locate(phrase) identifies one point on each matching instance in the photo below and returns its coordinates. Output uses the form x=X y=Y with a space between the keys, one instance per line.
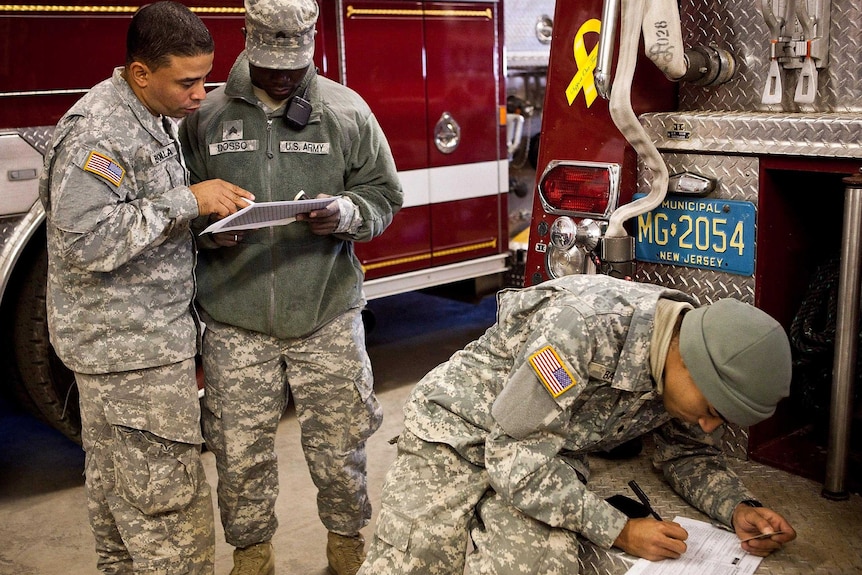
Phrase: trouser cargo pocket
x=153 y=474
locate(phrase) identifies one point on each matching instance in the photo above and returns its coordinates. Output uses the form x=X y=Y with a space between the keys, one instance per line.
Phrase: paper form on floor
x=711 y=551
x=264 y=214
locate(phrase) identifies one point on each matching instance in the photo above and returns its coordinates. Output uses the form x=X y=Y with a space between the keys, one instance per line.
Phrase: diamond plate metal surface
x=828 y=531
x=826 y=135
x=719 y=132
x=8 y=227
x=10 y=231
x=738 y=26
x=523 y=48
x=736 y=179
x=39 y=137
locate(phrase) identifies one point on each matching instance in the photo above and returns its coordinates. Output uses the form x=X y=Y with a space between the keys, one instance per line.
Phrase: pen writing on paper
x=644 y=499
x=761 y=536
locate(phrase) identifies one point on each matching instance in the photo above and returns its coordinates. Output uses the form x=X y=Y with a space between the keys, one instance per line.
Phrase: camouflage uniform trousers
x=149 y=503
x=436 y=502
x=248 y=376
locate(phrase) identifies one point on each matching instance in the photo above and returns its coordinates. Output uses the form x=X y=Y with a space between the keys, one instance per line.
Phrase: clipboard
x=265 y=214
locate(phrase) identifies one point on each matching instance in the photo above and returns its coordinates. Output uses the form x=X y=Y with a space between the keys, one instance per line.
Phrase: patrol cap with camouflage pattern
x=280 y=33
x=738 y=357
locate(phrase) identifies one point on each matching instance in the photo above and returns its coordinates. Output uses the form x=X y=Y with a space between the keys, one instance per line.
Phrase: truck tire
x=41 y=375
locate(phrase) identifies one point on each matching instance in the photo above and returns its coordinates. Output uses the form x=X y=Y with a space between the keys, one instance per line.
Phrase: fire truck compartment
x=791 y=167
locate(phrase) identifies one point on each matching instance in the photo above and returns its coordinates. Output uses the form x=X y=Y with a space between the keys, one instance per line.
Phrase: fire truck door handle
x=447 y=134
x=21 y=175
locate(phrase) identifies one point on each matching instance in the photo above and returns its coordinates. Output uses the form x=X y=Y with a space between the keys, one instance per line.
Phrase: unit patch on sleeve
x=105 y=167
x=551 y=371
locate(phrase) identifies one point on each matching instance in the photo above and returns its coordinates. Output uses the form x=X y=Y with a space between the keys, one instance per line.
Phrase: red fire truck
x=715 y=147
x=434 y=72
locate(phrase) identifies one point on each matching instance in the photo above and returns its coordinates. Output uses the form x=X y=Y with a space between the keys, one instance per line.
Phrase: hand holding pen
x=644 y=499
x=650 y=537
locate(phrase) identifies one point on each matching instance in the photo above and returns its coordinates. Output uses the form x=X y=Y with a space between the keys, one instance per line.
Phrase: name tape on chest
x=304 y=147
x=166 y=153
x=233 y=146
x=105 y=167
x=601 y=372
x=551 y=371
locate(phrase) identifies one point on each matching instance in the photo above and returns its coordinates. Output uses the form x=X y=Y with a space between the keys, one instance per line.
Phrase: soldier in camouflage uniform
x=497 y=438
x=282 y=304
x=120 y=294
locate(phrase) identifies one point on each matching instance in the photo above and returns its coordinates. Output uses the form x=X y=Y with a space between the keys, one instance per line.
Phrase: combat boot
x=345 y=554
x=254 y=560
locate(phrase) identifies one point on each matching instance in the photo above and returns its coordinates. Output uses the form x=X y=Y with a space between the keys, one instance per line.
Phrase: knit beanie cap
x=738 y=357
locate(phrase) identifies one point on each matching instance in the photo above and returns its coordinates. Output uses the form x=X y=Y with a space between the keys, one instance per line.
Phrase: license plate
x=702 y=233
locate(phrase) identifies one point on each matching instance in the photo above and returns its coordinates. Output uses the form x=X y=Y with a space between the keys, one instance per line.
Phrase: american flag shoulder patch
x=103 y=166
x=551 y=371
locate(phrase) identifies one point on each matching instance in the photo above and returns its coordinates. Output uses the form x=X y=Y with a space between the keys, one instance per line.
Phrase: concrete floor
x=43 y=523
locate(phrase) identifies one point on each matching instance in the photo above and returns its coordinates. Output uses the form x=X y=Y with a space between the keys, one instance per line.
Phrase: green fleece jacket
x=285 y=281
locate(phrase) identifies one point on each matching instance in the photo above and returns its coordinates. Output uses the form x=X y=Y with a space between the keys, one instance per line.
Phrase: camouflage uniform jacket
x=120 y=253
x=533 y=432
x=285 y=281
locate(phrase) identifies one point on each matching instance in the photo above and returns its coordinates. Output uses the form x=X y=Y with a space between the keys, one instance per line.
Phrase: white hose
x=632 y=18
x=663 y=38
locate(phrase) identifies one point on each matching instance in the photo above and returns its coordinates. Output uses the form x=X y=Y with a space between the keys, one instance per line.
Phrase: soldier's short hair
x=164 y=29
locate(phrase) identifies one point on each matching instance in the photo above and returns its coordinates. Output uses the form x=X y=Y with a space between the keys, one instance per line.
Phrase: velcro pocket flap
x=127 y=413
x=394 y=529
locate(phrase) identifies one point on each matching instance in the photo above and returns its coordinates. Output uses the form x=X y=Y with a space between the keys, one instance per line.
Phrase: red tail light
x=586 y=189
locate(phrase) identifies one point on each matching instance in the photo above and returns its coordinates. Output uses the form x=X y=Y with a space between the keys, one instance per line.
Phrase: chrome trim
x=613 y=178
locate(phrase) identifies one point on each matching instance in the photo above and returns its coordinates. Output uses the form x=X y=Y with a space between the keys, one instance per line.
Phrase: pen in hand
x=644 y=499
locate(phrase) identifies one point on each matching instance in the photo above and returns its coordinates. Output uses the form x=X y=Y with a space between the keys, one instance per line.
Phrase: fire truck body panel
x=721 y=132
x=728 y=118
x=446 y=71
x=52 y=56
x=425 y=59
x=576 y=124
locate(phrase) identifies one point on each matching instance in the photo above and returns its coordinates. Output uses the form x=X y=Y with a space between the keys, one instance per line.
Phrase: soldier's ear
x=139 y=73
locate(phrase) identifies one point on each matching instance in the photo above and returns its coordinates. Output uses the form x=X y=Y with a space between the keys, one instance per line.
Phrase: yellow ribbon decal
x=586 y=63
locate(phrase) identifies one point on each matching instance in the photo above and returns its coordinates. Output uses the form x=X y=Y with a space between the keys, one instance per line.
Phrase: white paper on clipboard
x=265 y=214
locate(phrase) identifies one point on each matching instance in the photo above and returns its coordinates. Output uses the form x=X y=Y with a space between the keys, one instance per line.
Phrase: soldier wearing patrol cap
x=496 y=442
x=120 y=285
x=283 y=304
x=280 y=34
